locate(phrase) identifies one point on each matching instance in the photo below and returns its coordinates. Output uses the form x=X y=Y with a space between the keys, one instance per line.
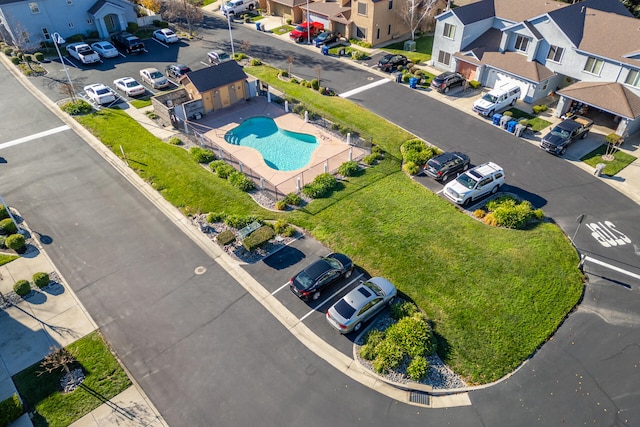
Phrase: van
x=497 y=99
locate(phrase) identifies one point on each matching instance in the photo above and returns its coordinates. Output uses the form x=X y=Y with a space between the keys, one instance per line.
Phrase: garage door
x=317 y=18
x=503 y=79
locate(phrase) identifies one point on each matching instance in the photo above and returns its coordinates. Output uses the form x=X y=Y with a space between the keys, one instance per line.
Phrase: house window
x=361 y=33
x=89 y=20
x=633 y=78
x=390 y=4
x=45 y=33
x=449 y=31
x=70 y=24
x=34 y=7
x=555 y=53
x=444 y=57
x=522 y=43
x=362 y=8
x=593 y=65
x=378 y=33
x=69 y=2
x=389 y=30
x=25 y=37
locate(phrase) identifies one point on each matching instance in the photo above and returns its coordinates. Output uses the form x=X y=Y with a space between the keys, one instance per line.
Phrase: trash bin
x=496 y=119
x=398 y=76
x=325 y=50
x=599 y=168
x=511 y=126
x=258 y=26
x=413 y=82
x=519 y=129
x=504 y=120
x=341 y=52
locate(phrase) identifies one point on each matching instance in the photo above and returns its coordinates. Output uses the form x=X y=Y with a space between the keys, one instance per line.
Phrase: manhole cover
x=369 y=78
x=200 y=270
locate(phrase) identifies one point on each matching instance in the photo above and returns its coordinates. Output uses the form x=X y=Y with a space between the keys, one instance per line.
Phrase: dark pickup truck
x=127 y=42
x=565 y=133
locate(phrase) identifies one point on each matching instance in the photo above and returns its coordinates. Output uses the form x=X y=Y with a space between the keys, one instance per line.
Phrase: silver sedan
x=154 y=77
x=362 y=303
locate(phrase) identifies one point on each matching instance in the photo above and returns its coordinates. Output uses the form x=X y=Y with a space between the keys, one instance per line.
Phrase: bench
x=248 y=230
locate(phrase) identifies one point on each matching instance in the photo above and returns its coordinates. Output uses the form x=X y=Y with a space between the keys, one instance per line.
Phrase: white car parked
x=100 y=94
x=165 y=35
x=105 y=49
x=129 y=86
x=154 y=77
x=235 y=7
x=83 y=53
x=475 y=183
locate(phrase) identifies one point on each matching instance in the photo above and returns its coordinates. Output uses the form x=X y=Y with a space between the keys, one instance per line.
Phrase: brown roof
x=332 y=10
x=520 y=10
x=611 y=97
x=611 y=36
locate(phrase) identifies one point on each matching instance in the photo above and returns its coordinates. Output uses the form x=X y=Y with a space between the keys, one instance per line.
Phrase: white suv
x=475 y=183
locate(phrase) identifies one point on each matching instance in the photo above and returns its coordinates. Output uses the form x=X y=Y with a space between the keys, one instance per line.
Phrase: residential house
x=587 y=52
x=217 y=86
x=28 y=23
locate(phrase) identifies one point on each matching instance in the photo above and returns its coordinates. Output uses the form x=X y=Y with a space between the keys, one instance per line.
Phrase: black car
x=445 y=81
x=443 y=165
x=325 y=38
x=127 y=42
x=177 y=71
x=391 y=62
x=312 y=280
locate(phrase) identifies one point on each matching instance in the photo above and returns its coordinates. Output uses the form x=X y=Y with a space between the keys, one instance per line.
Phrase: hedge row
x=10 y=410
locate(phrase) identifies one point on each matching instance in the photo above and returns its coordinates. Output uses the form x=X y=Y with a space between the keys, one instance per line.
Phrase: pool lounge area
x=330 y=153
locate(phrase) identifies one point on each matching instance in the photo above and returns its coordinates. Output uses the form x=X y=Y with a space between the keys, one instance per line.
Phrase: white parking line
x=363 y=88
x=280 y=288
x=612 y=267
x=330 y=297
x=34 y=136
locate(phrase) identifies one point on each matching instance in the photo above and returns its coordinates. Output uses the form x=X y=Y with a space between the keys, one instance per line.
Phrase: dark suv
x=177 y=71
x=442 y=166
x=445 y=81
x=127 y=42
x=391 y=62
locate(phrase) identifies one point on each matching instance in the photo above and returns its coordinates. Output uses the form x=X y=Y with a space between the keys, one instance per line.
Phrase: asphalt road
x=208 y=354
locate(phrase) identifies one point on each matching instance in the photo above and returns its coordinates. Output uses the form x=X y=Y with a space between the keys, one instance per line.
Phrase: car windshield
x=467 y=181
x=490 y=98
x=304 y=281
x=333 y=263
x=106 y=46
x=344 y=309
x=375 y=288
x=169 y=32
x=557 y=131
x=84 y=49
x=155 y=74
x=102 y=91
x=301 y=28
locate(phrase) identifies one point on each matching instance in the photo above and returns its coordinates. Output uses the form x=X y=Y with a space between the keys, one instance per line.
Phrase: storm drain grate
x=419 y=397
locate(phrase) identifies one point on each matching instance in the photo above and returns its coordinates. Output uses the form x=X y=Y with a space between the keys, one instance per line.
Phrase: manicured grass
x=284 y=29
x=621 y=160
x=537 y=124
x=495 y=295
x=6 y=259
x=105 y=378
x=207 y=2
x=424 y=46
x=141 y=102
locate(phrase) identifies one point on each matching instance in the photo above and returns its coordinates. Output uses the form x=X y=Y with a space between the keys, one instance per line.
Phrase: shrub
x=7 y=51
x=376 y=149
x=10 y=410
x=202 y=155
x=93 y=35
x=3 y=212
x=371 y=340
x=508 y=113
x=41 y=279
x=247 y=19
x=418 y=368
x=479 y=213
x=359 y=55
x=315 y=84
x=39 y=56
x=510 y=213
x=224 y=170
x=215 y=217
x=416 y=151
x=7 y=226
x=474 y=84
x=255 y=62
x=388 y=356
x=298 y=109
x=538 y=214
x=370 y=159
x=240 y=56
x=293 y=79
x=283 y=73
x=22 y=287
x=239 y=221
x=490 y=219
x=77 y=108
x=20 y=55
x=293 y=199
x=226 y=237
x=2 y=240
x=413 y=335
x=402 y=309
x=174 y=140
x=523 y=122
x=241 y=181
x=258 y=238
x=321 y=186
x=151 y=115
x=537 y=109
x=281 y=205
x=410 y=168
x=15 y=60
x=132 y=27
x=15 y=242
x=349 y=168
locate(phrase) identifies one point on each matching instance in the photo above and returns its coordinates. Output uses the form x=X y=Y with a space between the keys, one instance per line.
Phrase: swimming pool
x=281 y=149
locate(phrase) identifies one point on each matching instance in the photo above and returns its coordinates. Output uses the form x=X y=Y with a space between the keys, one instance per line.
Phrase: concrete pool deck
x=331 y=150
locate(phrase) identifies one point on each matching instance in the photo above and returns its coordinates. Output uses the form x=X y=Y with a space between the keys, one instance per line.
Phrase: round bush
x=410 y=168
x=7 y=226
x=15 y=60
x=293 y=199
x=2 y=245
x=174 y=140
x=255 y=62
x=15 y=242
x=41 y=279
x=3 y=212
x=22 y=287
x=281 y=205
x=241 y=181
x=77 y=108
x=315 y=84
x=349 y=168
x=215 y=217
x=202 y=155
x=418 y=368
x=403 y=309
x=39 y=56
x=7 y=51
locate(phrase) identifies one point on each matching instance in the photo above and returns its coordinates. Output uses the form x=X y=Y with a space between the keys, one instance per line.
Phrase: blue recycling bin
x=496 y=119
x=511 y=126
x=258 y=26
x=413 y=82
x=325 y=50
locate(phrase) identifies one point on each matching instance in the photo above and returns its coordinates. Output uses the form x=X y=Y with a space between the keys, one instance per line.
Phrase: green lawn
x=141 y=102
x=495 y=295
x=6 y=259
x=284 y=29
x=424 y=46
x=537 y=124
x=104 y=380
x=621 y=160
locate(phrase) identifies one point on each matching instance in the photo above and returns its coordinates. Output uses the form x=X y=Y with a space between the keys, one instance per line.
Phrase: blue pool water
x=281 y=149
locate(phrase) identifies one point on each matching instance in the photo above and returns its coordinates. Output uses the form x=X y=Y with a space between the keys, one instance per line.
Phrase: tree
x=58 y=358
x=414 y=12
x=290 y=60
x=188 y=10
x=152 y=5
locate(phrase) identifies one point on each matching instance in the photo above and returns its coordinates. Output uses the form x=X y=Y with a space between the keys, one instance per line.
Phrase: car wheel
x=315 y=295
x=358 y=326
x=250 y=7
x=564 y=150
x=584 y=135
x=446 y=89
x=348 y=273
x=466 y=202
x=391 y=301
x=444 y=177
x=491 y=113
x=495 y=189
x=465 y=167
x=513 y=102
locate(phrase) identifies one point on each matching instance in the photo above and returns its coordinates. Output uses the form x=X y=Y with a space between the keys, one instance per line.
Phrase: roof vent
x=582 y=9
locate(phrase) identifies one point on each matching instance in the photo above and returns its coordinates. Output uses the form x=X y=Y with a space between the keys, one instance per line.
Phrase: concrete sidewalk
x=53 y=316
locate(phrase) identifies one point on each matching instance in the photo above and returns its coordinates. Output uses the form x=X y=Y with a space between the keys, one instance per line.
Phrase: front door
x=112 y=23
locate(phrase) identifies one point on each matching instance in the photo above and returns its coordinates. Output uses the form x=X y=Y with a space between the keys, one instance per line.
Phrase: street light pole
x=233 y=53
x=57 y=39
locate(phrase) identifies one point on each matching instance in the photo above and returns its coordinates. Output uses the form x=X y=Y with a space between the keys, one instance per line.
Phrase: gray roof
x=290 y=3
x=611 y=97
x=216 y=76
x=328 y=9
x=475 y=11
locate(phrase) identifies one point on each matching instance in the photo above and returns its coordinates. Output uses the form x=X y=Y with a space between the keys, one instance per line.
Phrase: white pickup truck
x=236 y=7
x=83 y=53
